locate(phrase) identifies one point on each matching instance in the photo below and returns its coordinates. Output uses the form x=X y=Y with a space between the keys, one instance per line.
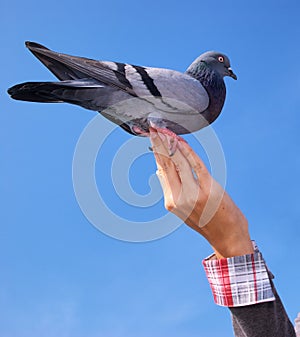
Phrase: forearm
x=267 y=319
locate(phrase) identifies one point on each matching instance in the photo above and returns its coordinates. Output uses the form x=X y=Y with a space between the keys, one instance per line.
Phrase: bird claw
x=172 y=145
x=172 y=139
x=139 y=131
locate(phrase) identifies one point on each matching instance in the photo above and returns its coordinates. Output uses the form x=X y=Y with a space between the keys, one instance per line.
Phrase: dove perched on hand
x=134 y=97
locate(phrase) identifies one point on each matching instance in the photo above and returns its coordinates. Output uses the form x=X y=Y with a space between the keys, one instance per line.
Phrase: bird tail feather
x=55 y=92
x=41 y=92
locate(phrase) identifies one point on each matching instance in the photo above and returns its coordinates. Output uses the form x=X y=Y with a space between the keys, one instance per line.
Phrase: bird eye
x=221 y=59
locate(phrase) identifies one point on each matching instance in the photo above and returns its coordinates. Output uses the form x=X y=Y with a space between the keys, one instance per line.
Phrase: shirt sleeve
x=239 y=280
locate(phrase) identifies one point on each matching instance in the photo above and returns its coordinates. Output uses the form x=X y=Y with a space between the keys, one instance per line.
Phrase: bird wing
x=178 y=91
x=67 y=67
x=167 y=90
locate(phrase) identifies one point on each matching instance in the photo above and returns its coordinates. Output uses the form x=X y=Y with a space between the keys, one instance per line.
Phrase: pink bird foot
x=171 y=137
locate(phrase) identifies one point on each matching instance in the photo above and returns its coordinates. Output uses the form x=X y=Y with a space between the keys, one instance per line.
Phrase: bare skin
x=194 y=196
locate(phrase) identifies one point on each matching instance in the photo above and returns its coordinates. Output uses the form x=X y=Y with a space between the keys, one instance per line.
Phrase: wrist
x=231 y=240
x=242 y=246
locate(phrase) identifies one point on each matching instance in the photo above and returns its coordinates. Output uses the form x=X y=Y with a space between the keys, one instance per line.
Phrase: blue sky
x=62 y=277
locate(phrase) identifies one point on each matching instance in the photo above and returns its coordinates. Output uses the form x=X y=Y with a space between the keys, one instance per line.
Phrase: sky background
x=60 y=276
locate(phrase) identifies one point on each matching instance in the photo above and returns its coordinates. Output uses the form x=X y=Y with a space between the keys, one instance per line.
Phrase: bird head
x=214 y=61
x=218 y=62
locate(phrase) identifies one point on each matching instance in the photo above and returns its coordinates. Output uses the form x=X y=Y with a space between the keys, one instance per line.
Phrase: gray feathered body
x=130 y=96
x=214 y=84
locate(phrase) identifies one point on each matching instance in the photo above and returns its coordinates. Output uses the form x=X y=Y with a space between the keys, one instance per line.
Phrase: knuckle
x=198 y=167
x=160 y=172
x=190 y=155
x=177 y=167
x=170 y=205
x=159 y=149
x=164 y=167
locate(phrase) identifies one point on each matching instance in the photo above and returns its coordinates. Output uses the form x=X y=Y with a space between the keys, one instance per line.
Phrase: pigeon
x=134 y=97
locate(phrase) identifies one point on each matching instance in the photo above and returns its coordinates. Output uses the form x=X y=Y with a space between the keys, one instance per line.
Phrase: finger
x=158 y=146
x=195 y=162
x=184 y=169
x=157 y=142
x=160 y=150
x=164 y=163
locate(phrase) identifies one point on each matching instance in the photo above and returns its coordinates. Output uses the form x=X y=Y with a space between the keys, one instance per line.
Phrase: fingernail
x=153 y=133
x=150 y=148
x=161 y=136
x=172 y=149
x=152 y=125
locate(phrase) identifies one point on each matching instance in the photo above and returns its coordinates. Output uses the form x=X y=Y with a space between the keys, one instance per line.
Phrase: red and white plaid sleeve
x=239 y=280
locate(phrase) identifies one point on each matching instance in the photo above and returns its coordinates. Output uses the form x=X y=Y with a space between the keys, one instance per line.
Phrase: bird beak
x=232 y=74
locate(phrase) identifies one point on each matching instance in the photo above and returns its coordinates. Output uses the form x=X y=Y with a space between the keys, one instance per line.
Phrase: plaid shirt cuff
x=239 y=280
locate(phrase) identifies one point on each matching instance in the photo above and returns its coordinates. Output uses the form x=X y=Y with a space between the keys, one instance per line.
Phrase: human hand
x=194 y=196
